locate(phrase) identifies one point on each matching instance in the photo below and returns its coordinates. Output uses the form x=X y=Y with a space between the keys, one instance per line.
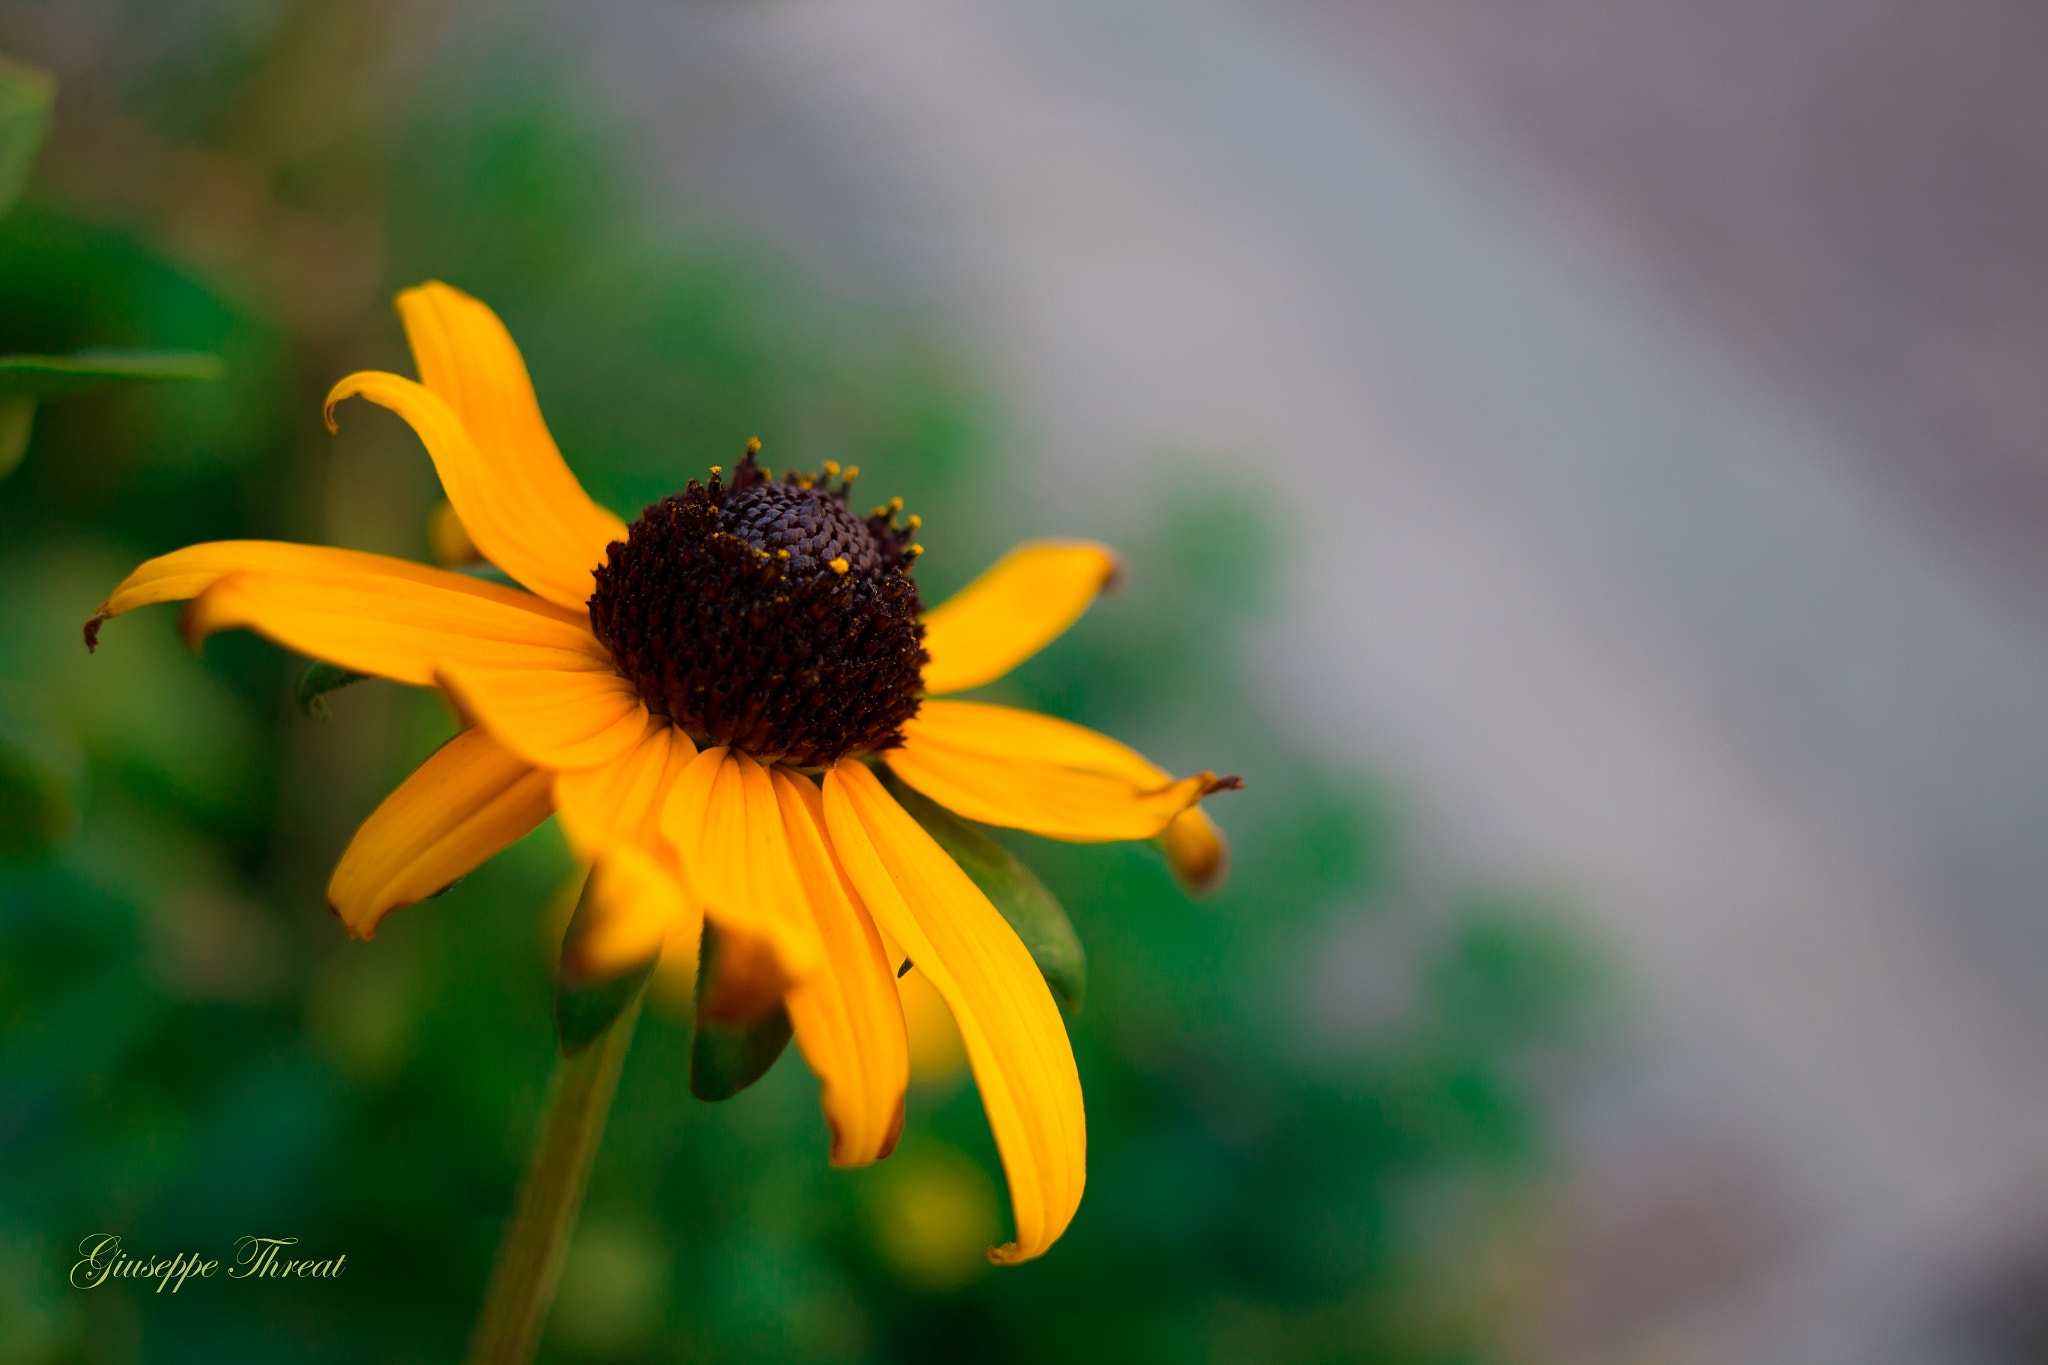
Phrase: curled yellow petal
x=1015 y=1039
x=1018 y=606
x=470 y=799
x=1003 y=766
x=521 y=506
x=555 y=717
x=189 y=572
x=397 y=628
x=847 y=1017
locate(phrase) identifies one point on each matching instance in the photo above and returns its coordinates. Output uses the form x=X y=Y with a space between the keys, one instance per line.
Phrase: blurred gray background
x=1658 y=396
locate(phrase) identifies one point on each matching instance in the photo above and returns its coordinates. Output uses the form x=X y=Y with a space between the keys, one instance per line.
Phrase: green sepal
x=586 y=1005
x=1032 y=911
x=26 y=95
x=50 y=378
x=317 y=681
x=586 y=1009
x=726 y=1057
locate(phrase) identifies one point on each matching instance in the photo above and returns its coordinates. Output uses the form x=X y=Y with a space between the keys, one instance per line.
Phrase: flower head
x=704 y=698
x=767 y=616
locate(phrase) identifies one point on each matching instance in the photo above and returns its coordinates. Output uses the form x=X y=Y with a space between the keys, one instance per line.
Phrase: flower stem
x=529 y=1264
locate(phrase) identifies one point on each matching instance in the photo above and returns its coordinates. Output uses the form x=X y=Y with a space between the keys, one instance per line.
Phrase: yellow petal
x=393 y=627
x=1015 y=1040
x=847 y=1017
x=518 y=501
x=469 y=800
x=1196 y=850
x=188 y=572
x=1017 y=607
x=629 y=908
x=1003 y=766
x=558 y=718
x=620 y=800
x=674 y=988
x=619 y=803
x=722 y=816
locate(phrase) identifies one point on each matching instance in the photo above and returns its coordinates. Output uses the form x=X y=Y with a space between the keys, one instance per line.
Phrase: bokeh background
x=1581 y=461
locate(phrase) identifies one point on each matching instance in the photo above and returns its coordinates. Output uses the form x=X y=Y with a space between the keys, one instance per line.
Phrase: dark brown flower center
x=766 y=615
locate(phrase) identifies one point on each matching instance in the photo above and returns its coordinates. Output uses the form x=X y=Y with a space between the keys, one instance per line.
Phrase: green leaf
x=50 y=378
x=26 y=95
x=17 y=421
x=26 y=380
x=1011 y=887
x=726 y=1058
x=317 y=681
x=42 y=784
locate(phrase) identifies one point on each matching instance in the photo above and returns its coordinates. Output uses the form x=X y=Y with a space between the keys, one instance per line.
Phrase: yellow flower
x=700 y=697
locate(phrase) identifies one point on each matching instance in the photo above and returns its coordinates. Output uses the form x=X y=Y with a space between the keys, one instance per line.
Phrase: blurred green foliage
x=1314 y=1123
x=25 y=98
x=28 y=381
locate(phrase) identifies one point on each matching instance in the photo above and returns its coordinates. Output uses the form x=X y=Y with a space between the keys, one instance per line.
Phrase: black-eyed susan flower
x=703 y=698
